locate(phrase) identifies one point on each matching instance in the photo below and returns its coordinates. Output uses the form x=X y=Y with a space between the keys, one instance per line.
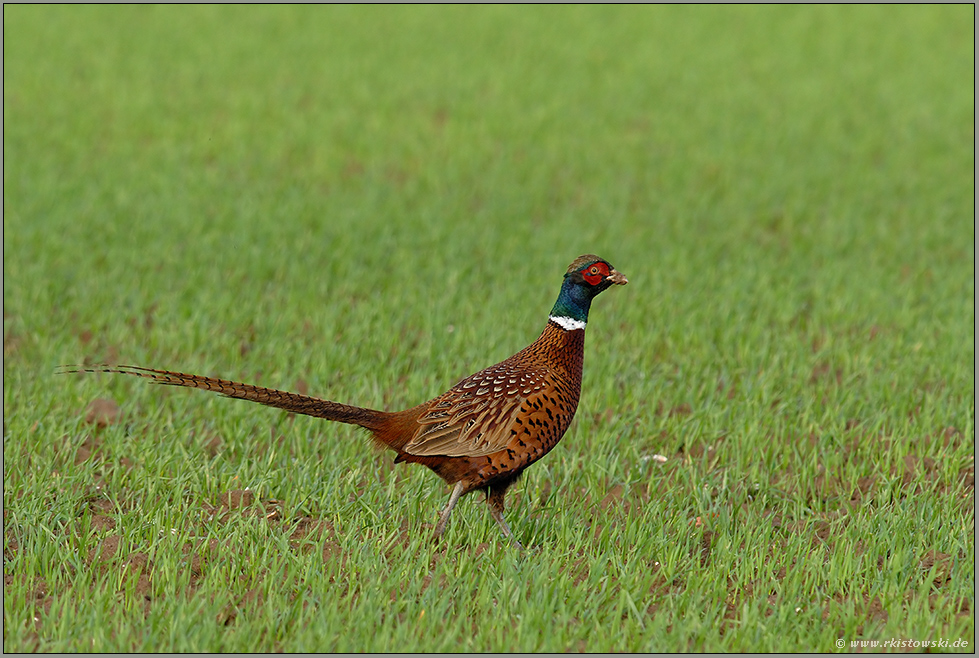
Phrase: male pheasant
x=484 y=431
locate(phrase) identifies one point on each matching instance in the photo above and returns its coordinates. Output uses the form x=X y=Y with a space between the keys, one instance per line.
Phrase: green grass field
x=369 y=203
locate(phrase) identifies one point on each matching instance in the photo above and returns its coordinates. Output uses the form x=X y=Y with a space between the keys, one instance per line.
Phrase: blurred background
x=292 y=151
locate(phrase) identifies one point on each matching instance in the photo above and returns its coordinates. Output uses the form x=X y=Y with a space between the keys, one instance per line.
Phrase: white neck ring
x=566 y=323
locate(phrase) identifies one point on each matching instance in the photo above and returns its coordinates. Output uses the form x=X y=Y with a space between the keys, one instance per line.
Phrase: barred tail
x=301 y=404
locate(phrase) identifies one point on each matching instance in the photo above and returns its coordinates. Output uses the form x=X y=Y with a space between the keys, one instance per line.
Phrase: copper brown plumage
x=484 y=431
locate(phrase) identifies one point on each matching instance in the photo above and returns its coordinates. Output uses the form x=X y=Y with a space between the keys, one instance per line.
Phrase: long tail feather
x=300 y=404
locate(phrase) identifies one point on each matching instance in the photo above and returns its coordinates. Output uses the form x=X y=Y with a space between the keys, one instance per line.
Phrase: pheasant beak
x=617 y=278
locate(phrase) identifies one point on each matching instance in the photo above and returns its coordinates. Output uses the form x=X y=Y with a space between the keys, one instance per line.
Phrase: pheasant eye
x=594 y=274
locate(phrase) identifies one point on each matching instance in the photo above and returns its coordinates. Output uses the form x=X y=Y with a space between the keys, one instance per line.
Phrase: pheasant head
x=587 y=276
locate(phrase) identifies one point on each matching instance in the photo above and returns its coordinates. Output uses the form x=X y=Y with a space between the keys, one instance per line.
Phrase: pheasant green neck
x=570 y=311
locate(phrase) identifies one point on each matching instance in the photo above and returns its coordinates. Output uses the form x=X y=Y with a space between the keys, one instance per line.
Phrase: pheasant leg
x=495 y=501
x=444 y=515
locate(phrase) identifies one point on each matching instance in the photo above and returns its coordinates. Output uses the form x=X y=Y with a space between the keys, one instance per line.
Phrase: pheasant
x=484 y=431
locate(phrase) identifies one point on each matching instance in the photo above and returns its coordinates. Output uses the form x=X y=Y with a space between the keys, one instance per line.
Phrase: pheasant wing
x=475 y=417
